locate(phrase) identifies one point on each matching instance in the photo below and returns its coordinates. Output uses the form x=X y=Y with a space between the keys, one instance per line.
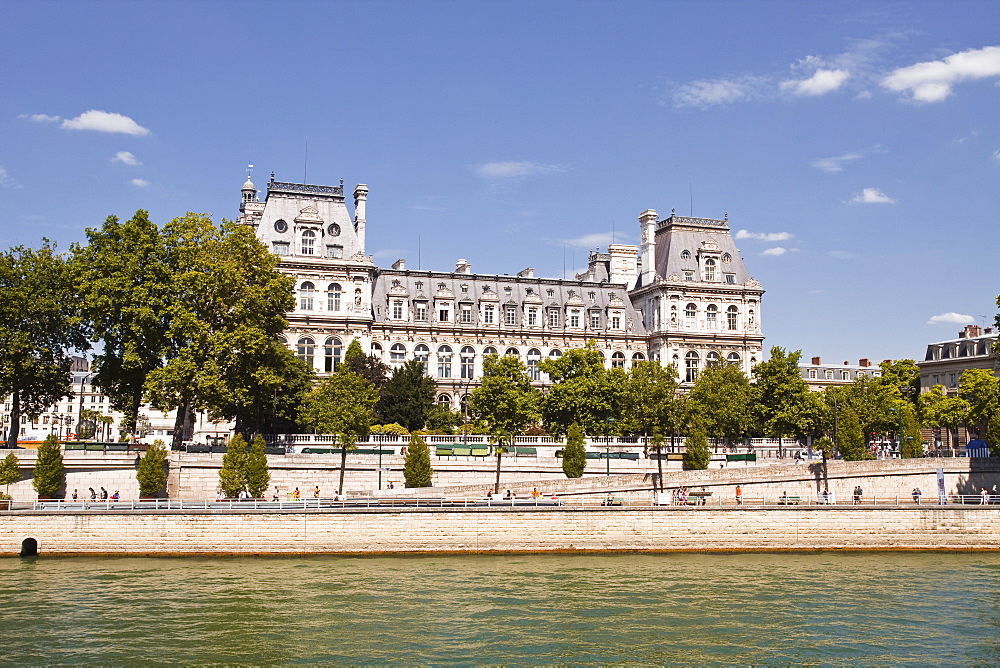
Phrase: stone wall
x=358 y=531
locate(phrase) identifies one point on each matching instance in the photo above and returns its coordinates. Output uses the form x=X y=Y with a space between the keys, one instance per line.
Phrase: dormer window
x=708 y=269
x=308 y=243
x=419 y=285
x=685 y=255
x=550 y=292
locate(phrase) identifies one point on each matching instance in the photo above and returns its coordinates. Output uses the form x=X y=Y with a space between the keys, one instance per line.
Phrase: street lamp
x=607 y=448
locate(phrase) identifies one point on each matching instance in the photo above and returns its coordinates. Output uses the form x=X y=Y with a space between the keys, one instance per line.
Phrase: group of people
x=680 y=495
x=858 y=494
x=96 y=496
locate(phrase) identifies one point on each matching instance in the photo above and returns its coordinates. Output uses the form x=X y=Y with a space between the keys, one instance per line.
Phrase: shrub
x=417 y=467
x=574 y=459
x=152 y=472
x=50 y=474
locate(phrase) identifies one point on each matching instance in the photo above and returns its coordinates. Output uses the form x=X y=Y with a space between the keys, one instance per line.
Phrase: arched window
x=712 y=316
x=306 y=349
x=422 y=354
x=465 y=404
x=691 y=363
x=732 y=313
x=618 y=360
x=712 y=359
x=331 y=354
x=377 y=351
x=709 y=272
x=534 y=357
x=444 y=400
x=307 y=291
x=555 y=354
x=468 y=362
x=444 y=363
x=333 y=292
x=733 y=358
x=685 y=255
x=638 y=357
x=397 y=355
x=489 y=350
x=690 y=314
x=513 y=352
x=308 y=242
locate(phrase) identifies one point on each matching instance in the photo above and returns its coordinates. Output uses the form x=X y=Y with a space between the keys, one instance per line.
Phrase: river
x=822 y=608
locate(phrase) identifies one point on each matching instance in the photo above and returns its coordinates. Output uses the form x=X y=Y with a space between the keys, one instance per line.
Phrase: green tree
x=417 y=469
x=574 y=459
x=649 y=396
x=941 y=411
x=696 y=453
x=442 y=420
x=584 y=393
x=784 y=404
x=40 y=325
x=992 y=433
x=505 y=401
x=49 y=474
x=981 y=389
x=227 y=298
x=232 y=475
x=10 y=471
x=912 y=446
x=903 y=375
x=723 y=399
x=341 y=405
x=851 y=437
x=125 y=290
x=367 y=366
x=152 y=471
x=407 y=397
x=257 y=475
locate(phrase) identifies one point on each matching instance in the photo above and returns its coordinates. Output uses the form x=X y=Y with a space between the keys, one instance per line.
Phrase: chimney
x=399 y=264
x=864 y=362
x=647 y=227
x=360 y=200
x=526 y=273
x=463 y=267
x=972 y=331
x=816 y=361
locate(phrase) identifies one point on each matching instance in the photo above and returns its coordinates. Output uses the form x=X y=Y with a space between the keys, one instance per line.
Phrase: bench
x=786 y=500
x=116 y=447
x=742 y=457
x=94 y=447
x=444 y=450
x=462 y=450
x=521 y=451
x=75 y=446
x=698 y=498
x=315 y=451
x=614 y=501
x=668 y=456
x=481 y=451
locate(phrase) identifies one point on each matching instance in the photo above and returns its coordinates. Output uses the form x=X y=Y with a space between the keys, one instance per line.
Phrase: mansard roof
x=677 y=234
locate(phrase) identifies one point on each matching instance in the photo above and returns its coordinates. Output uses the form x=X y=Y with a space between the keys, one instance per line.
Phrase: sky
x=855 y=146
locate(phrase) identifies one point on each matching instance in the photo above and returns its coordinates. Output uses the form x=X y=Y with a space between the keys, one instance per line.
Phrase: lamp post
x=607 y=448
x=380 y=467
x=79 y=426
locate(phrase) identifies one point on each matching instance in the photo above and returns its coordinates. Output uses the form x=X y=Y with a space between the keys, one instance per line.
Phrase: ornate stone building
x=693 y=303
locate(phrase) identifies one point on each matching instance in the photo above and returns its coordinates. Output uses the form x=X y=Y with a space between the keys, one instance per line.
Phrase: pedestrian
x=739 y=495
x=985 y=497
x=74 y=495
x=275 y=497
x=115 y=496
x=316 y=492
x=535 y=493
x=296 y=494
x=861 y=494
x=104 y=494
x=93 y=494
x=916 y=494
x=857 y=495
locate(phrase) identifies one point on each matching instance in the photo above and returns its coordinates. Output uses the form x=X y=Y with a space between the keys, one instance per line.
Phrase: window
x=555 y=354
x=306 y=349
x=444 y=400
x=829 y=374
x=595 y=319
x=534 y=357
x=688 y=275
x=397 y=310
x=690 y=313
x=510 y=315
x=731 y=279
x=336 y=252
x=306 y=293
x=812 y=373
x=734 y=358
x=691 y=361
x=709 y=269
x=711 y=316
x=513 y=352
x=331 y=354
x=420 y=311
x=574 y=318
x=465 y=288
x=616 y=322
x=333 y=297
x=685 y=255
x=951 y=380
x=397 y=355
x=280 y=247
x=550 y=292
x=468 y=362
x=712 y=359
x=377 y=351
x=846 y=375
x=444 y=313
x=280 y=226
x=731 y=313
x=553 y=318
x=444 y=362
x=638 y=357
x=489 y=350
x=422 y=353
x=618 y=360
x=333 y=230
x=308 y=242
x=466 y=314
x=532 y=316
x=488 y=314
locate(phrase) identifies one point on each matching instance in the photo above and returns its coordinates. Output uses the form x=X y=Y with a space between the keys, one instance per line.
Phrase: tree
x=650 y=395
x=981 y=389
x=851 y=437
x=40 y=325
x=723 y=399
x=505 y=401
x=574 y=459
x=152 y=471
x=696 y=453
x=585 y=393
x=417 y=469
x=257 y=475
x=232 y=475
x=407 y=397
x=10 y=471
x=124 y=283
x=341 y=405
x=228 y=302
x=992 y=433
x=941 y=411
x=784 y=404
x=367 y=366
x=50 y=474
x=912 y=446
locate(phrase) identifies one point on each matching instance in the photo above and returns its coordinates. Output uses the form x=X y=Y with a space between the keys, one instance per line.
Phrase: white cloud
x=6 y=180
x=820 y=83
x=764 y=236
x=512 y=169
x=140 y=183
x=126 y=158
x=932 y=81
x=872 y=196
x=40 y=118
x=711 y=92
x=595 y=240
x=952 y=318
x=105 y=121
x=777 y=250
x=842 y=255
x=996 y=155
x=836 y=163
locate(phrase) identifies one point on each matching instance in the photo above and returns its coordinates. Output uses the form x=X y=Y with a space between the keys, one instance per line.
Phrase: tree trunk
x=178 y=437
x=343 y=466
x=496 y=485
x=15 y=420
x=659 y=467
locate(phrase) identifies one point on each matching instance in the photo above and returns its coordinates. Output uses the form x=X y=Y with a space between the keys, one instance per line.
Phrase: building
x=945 y=361
x=819 y=376
x=688 y=300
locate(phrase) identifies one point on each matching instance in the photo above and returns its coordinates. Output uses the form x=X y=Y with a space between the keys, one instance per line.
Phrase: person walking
x=739 y=495
x=296 y=494
x=916 y=494
x=275 y=498
x=316 y=492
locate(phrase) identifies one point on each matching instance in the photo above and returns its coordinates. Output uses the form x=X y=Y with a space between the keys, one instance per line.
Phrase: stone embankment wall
x=123 y=533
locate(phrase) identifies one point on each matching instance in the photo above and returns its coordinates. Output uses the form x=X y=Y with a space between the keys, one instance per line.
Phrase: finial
x=272 y=176
x=249 y=171
x=672 y=211
x=341 y=182
x=726 y=217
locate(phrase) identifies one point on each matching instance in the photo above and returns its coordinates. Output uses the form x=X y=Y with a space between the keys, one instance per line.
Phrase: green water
x=872 y=608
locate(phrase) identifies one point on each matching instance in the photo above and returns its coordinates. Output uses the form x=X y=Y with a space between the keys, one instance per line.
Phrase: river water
x=823 y=608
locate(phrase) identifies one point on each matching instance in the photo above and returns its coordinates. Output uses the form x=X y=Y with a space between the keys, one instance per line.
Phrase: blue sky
x=854 y=145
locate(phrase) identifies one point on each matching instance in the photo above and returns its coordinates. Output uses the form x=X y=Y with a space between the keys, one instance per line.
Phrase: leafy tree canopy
x=723 y=398
x=407 y=397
